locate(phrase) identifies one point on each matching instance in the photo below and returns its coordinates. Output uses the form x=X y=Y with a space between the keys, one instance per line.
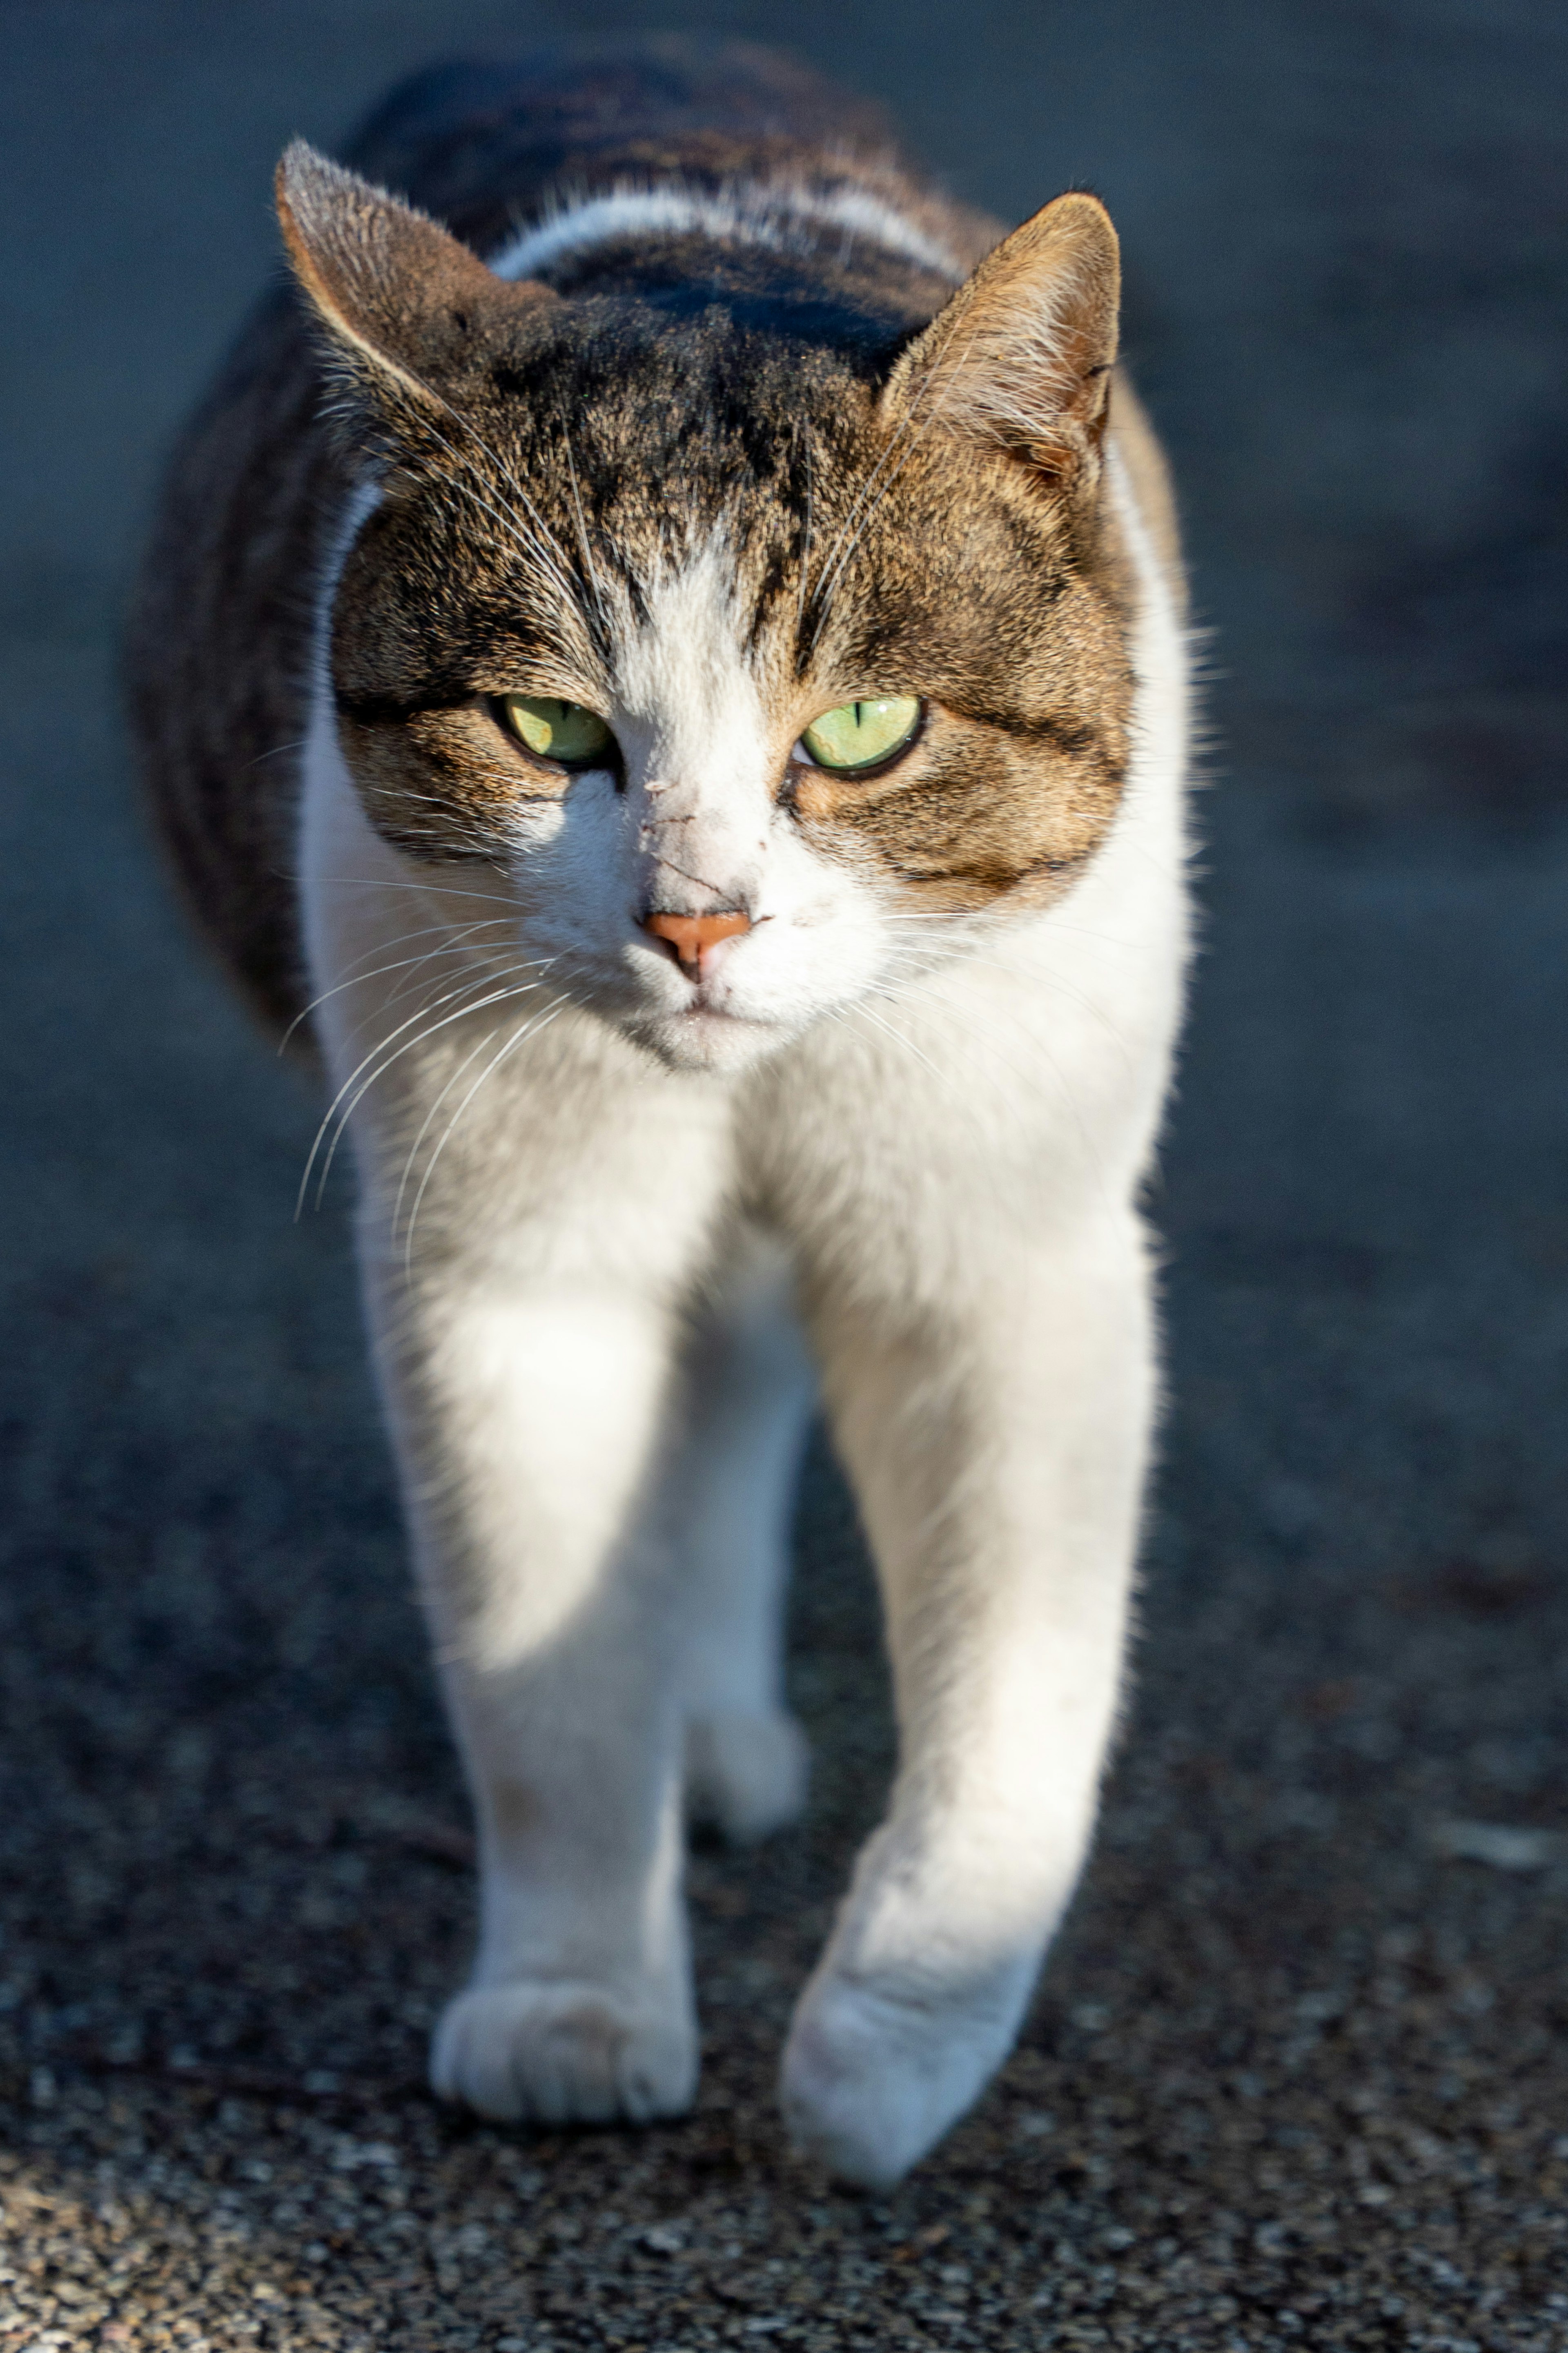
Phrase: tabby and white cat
x=724 y=643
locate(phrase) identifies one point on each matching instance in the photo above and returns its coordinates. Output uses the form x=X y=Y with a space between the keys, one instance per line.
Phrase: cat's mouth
x=715 y=995
x=709 y=1028
x=713 y=1003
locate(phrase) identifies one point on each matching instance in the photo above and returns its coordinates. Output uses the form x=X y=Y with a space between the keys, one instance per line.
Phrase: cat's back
x=220 y=647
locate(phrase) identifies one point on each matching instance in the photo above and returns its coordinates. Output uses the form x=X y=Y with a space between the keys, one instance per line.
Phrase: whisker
x=464 y=990
x=429 y=1116
x=528 y=1029
x=421 y=883
x=424 y=1125
x=461 y=1013
x=356 y=980
x=470 y=951
x=495 y=965
x=277 y=752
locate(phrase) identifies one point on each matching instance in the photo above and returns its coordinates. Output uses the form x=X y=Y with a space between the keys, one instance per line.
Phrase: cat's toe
x=562 y=2053
x=872 y=2077
x=746 y=1772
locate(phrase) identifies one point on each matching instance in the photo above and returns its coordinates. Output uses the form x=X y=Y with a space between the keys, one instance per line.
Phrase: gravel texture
x=1299 y=2070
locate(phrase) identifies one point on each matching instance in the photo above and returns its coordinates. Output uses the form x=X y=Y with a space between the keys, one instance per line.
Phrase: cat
x=665 y=651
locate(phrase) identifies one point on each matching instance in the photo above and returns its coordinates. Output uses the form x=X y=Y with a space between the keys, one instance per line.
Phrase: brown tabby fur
x=551 y=447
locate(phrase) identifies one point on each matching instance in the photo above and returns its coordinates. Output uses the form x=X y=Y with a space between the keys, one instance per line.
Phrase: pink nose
x=687 y=936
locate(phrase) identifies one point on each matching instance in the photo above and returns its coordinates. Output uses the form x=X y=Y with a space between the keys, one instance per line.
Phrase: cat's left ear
x=1021 y=358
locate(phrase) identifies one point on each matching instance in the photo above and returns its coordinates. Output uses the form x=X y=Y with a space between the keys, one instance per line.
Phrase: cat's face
x=740 y=660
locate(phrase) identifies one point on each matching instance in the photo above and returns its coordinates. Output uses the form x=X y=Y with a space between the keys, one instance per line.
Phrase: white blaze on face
x=699 y=757
x=704 y=763
x=699 y=827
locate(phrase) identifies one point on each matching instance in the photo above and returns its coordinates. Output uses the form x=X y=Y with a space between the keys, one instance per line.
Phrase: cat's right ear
x=407 y=309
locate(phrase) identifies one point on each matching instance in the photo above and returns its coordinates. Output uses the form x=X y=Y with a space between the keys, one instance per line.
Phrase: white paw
x=874 y=2074
x=538 y=2053
x=746 y=1773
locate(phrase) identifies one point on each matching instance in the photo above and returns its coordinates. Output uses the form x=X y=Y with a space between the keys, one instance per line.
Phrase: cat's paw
x=536 y=2053
x=874 y=2074
x=746 y=1773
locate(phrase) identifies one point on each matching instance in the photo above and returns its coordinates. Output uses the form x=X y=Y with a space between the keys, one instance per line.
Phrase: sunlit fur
x=617 y=1225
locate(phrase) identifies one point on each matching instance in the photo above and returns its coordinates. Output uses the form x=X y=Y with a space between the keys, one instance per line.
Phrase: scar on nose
x=701 y=881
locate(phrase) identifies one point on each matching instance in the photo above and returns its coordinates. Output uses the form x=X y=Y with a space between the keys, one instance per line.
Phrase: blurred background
x=1299 y=2070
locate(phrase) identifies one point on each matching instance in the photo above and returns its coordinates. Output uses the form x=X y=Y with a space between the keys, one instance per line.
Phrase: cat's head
x=734 y=648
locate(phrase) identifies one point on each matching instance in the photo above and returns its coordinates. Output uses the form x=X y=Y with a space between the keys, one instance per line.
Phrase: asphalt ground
x=1297 y=2073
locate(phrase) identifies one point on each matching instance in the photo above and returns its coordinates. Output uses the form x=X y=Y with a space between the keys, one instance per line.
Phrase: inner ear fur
x=404 y=306
x=1021 y=358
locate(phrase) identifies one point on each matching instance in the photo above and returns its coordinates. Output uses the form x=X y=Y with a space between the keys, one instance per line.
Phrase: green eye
x=563 y=732
x=862 y=734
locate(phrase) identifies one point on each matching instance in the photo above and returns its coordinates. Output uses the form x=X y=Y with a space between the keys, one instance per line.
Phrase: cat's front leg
x=530 y=1418
x=749 y=1391
x=997 y=1445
